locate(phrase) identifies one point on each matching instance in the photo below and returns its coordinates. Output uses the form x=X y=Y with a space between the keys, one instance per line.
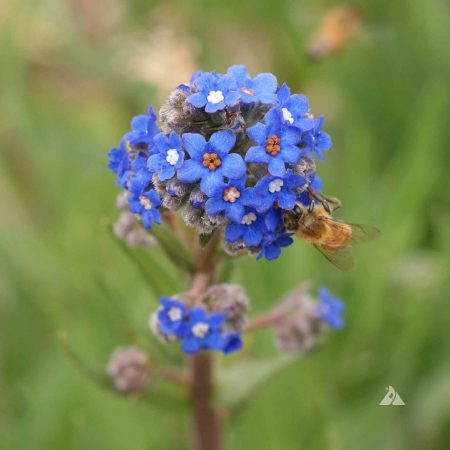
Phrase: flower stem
x=205 y=420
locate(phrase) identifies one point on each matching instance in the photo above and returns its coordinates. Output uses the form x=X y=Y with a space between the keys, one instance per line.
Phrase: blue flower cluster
x=196 y=328
x=330 y=309
x=233 y=151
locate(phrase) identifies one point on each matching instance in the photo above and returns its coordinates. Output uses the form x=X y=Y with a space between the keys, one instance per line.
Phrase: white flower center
x=248 y=219
x=275 y=186
x=287 y=116
x=145 y=202
x=172 y=156
x=200 y=329
x=175 y=314
x=215 y=97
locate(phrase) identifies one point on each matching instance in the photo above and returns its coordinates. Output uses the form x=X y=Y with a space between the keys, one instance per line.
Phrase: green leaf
x=237 y=383
x=204 y=238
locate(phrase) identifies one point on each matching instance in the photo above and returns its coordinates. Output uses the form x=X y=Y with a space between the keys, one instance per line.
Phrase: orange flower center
x=273 y=145
x=231 y=194
x=211 y=161
x=248 y=91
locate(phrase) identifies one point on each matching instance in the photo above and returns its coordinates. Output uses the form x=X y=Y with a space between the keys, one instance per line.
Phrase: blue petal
x=265 y=83
x=283 y=93
x=233 y=166
x=238 y=71
x=216 y=319
x=276 y=167
x=268 y=98
x=214 y=206
x=194 y=144
x=272 y=252
x=233 y=232
x=174 y=140
x=290 y=154
x=190 y=171
x=190 y=345
x=198 y=99
x=232 y=97
x=235 y=211
x=257 y=155
x=139 y=123
x=210 y=180
x=214 y=107
x=291 y=135
x=167 y=172
x=298 y=105
x=258 y=133
x=252 y=236
x=154 y=162
x=222 y=141
x=286 y=199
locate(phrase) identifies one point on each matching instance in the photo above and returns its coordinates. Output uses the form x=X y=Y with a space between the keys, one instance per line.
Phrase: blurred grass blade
x=239 y=382
x=92 y=371
x=173 y=248
x=154 y=276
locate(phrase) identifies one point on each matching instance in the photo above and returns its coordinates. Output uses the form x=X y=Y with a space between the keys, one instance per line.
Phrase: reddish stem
x=206 y=423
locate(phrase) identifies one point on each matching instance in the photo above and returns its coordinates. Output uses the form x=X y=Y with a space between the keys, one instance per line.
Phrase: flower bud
x=301 y=326
x=155 y=328
x=232 y=301
x=130 y=229
x=128 y=367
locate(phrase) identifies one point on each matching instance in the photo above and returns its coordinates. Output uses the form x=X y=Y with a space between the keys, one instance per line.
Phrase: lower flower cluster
x=196 y=328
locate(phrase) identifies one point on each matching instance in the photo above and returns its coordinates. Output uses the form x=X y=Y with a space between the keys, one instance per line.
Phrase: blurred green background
x=74 y=72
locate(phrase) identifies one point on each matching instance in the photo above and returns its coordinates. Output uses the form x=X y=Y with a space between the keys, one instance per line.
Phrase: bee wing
x=360 y=233
x=342 y=259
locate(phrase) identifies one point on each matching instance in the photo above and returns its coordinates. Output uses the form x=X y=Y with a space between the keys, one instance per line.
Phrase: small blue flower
x=230 y=198
x=294 y=109
x=262 y=88
x=171 y=315
x=167 y=156
x=317 y=141
x=143 y=128
x=276 y=144
x=272 y=244
x=330 y=308
x=202 y=331
x=215 y=91
x=271 y=189
x=210 y=161
x=119 y=163
x=231 y=342
x=141 y=178
x=250 y=229
x=146 y=205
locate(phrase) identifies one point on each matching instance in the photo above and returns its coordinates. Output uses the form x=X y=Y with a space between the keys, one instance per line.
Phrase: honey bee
x=333 y=238
x=338 y=26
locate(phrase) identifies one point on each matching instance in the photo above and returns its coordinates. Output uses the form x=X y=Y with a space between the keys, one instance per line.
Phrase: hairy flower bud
x=232 y=301
x=128 y=367
x=155 y=328
x=129 y=228
x=301 y=326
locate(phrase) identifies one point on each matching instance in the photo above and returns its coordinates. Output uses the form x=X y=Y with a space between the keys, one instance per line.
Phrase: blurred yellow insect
x=337 y=27
x=333 y=238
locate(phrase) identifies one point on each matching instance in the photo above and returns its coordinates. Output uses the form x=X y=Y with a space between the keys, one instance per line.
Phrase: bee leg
x=326 y=206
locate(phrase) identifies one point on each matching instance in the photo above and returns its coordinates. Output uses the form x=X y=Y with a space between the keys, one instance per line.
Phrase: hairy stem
x=205 y=421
